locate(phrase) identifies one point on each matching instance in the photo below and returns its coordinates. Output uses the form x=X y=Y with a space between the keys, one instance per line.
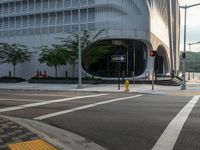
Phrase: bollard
x=126 y=86
x=188 y=75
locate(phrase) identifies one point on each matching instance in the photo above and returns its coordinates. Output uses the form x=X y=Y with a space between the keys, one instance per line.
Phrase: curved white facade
x=41 y=22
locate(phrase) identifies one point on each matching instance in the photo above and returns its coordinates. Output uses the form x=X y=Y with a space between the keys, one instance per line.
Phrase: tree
x=71 y=44
x=14 y=54
x=53 y=57
x=192 y=61
x=72 y=47
x=92 y=52
x=95 y=51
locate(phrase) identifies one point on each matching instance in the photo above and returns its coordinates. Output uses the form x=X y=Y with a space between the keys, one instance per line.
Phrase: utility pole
x=183 y=86
x=79 y=47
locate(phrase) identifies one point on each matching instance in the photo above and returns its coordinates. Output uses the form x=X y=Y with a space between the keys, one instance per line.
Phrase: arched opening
x=161 y=61
x=135 y=53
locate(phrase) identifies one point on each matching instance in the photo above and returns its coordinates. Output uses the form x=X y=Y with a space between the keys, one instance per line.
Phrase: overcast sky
x=193 y=24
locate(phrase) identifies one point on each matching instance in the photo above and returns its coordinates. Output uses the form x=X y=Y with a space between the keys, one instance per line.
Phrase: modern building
x=135 y=26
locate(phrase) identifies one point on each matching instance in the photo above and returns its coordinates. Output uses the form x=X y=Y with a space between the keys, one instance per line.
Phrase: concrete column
x=170 y=34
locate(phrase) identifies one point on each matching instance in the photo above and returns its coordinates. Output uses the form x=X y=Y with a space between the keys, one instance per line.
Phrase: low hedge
x=11 y=79
x=62 y=80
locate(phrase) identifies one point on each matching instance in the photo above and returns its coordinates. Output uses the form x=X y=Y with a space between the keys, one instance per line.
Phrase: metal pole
x=118 y=75
x=189 y=75
x=127 y=61
x=79 y=47
x=134 y=60
x=153 y=73
x=183 y=86
x=193 y=68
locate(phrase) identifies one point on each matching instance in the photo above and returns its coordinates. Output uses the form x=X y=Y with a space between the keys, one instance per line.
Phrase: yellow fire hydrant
x=126 y=86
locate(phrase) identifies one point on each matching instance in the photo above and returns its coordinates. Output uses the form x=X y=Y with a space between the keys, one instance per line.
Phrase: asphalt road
x=116 y=121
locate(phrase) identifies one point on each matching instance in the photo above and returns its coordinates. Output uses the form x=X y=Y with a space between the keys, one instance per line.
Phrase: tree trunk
x=14 y=67
x=56 y=71
x=86 y=68
x=73 y=65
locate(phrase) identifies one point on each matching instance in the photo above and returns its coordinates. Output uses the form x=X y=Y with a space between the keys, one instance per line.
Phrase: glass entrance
x=135 y=64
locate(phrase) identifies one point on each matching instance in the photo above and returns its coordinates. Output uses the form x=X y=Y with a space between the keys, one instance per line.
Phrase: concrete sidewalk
x=14 y=136
x=25 y=134
x=193 y=88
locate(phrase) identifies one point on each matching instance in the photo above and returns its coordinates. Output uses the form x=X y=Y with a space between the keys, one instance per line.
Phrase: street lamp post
x=79 y=47
x=183 y=86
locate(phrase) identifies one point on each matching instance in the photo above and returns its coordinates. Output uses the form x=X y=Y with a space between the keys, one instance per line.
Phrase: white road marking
x=169 y=137
x=82 y=107
x=21 y=100
x=40 y=94
x=47 y=102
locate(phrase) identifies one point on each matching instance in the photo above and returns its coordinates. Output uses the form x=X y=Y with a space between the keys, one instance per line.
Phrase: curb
x=85 y=91
x=61 y=139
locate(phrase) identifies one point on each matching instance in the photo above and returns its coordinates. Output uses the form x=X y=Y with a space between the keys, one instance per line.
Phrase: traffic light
x=152 y=53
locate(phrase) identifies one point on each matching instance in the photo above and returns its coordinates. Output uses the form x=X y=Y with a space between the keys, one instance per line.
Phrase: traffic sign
x=118 y=58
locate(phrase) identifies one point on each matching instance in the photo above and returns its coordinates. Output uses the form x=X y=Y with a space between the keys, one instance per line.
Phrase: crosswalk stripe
x=47 y=102
x=82 y=107
x=21 y=100
x=169 y=137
